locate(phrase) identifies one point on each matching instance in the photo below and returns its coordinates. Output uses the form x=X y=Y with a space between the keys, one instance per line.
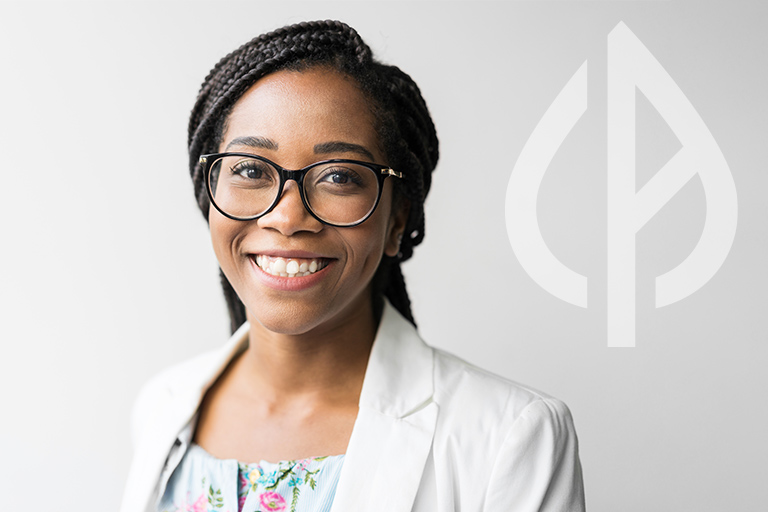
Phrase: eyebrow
x=254 y=142
x=343 y=147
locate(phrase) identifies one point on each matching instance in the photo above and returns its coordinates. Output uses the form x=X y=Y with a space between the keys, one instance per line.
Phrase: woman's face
x=296 y=119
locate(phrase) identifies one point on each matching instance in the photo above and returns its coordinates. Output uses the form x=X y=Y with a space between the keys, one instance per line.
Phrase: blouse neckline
x=193 y=446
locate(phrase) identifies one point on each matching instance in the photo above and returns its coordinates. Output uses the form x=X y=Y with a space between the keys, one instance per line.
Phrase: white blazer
x=433 y=434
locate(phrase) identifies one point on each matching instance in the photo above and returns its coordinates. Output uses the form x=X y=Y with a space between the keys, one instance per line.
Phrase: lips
x=290 y=266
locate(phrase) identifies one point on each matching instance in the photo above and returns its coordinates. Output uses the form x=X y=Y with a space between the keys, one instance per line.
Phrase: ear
x=396 y=227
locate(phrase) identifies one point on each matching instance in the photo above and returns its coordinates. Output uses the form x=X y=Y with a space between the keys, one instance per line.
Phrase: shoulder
x=182 y=385
x=505 y=435
x=459 y=383
x=471 y=398
x=403 y=366
x=162 y=390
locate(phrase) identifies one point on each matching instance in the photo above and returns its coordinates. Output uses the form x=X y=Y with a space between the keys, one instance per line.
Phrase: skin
x=294 y=392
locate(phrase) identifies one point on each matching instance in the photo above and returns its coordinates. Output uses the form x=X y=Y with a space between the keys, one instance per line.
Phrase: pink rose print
x=272 y=501
x=199 y=505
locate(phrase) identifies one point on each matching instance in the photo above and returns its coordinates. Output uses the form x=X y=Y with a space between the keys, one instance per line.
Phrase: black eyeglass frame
x=382 y=172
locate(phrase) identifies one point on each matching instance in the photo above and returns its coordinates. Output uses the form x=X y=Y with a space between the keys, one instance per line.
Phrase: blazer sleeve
x=538 y=468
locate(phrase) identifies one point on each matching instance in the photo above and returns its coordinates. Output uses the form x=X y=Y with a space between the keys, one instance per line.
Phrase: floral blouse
x=203 y=483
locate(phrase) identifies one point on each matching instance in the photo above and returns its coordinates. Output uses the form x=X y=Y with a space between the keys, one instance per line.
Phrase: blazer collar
x=392 y=436
x=398 y=379
x=180 y=395
x=189 y=388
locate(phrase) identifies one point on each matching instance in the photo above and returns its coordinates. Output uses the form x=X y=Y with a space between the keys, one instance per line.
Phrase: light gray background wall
x=106 y=274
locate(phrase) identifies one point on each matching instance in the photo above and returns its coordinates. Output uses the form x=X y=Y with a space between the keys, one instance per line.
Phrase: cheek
x=371 y=241
x=223 y=236
x=372 y=249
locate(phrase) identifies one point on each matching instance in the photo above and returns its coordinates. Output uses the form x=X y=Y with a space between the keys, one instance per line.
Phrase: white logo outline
x=631 y=67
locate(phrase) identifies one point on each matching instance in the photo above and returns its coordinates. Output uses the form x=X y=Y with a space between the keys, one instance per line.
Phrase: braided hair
x=405 y=128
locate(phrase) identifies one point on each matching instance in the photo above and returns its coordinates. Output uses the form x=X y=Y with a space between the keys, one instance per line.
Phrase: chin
x=285 y=327
x=285 y=318
x=296 y=318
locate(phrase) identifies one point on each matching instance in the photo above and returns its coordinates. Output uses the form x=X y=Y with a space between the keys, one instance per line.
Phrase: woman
x=311 y=162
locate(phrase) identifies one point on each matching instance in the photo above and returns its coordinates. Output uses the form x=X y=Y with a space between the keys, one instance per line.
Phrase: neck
x=326 y=364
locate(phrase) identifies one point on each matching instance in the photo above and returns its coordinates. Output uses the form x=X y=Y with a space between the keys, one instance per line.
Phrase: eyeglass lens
x=339 y=193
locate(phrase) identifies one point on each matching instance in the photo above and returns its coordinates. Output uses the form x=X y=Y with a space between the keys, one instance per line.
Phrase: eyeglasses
x=339 y=192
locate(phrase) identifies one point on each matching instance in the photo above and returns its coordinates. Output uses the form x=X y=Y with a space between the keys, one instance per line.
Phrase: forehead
x=304 y=108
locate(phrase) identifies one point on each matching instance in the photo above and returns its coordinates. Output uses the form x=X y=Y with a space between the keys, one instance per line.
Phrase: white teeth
x=278 y=266
x=292 y=267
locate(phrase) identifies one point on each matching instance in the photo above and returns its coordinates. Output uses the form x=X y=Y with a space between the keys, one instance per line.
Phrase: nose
x=290 y=216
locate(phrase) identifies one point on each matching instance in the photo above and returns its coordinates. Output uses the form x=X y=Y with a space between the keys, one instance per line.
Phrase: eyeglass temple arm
x=391 y=172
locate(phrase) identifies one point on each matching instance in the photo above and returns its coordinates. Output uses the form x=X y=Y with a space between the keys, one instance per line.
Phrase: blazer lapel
x=392 y=436
x=149 y=461
x=173 y=407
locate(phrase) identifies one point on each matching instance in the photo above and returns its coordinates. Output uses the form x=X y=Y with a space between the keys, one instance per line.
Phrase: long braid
x=404 y=125
x=412 y=146
x=234 y=304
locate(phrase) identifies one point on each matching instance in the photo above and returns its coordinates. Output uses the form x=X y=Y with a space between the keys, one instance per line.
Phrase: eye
x=340 y=176
x=251 y=169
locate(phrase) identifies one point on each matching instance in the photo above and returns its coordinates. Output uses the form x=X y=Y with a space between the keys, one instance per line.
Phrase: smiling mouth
x=290 y=267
